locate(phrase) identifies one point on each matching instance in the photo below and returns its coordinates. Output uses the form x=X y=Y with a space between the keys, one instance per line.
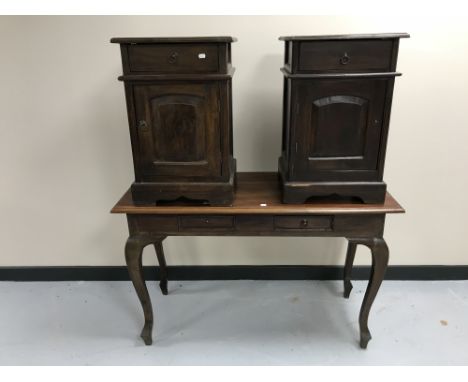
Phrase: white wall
x=65 y=155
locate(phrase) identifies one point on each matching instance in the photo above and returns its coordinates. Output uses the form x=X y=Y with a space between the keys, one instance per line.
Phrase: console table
x=257 y=211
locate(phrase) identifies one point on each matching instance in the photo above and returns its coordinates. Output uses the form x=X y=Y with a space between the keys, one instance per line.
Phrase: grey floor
x=233 y=323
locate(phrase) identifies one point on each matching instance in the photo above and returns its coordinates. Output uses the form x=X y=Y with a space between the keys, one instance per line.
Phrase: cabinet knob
x=142 y=125
x=304 y=223
x=173 y=57
x=345 y=59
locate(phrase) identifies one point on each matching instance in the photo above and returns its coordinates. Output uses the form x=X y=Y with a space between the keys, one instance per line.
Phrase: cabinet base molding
x=214 y=193
x=297 y=192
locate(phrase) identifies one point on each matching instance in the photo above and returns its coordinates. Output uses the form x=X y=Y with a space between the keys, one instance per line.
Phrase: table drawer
x=154 y=223
x=173 y=58
x=207 y=222
x=306 y=222
x=345 y=56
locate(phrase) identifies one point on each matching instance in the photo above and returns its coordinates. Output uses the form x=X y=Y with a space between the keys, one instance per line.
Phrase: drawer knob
x=304 y=223
x=173 y=58
x=207 y=221
x=142 y=124
x=345 y=59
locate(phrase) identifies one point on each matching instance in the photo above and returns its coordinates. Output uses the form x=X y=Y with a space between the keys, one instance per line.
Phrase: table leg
x=379 y=252
x=348 y=268
x=158 y=246
x=133 y=253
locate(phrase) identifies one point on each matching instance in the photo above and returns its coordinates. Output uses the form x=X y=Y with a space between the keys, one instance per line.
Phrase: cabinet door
x=337 y=127
x=178 y=131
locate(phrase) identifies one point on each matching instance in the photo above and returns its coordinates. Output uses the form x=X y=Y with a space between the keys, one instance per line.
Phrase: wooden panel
x=337 y=126
x=146 y=223
x=249 y=223
x=345 y=56
x=260 y=193
x=303 y=222
x=178 y=131
x=179 y=128
x=173 y=58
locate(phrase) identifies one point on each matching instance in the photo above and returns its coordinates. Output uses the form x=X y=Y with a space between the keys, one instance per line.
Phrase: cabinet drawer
x=345 y=56
x=206 y=222
x=318 y=223
x=173 y=58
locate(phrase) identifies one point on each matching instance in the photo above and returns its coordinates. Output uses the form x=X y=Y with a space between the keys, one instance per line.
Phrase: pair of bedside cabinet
x=336 y=111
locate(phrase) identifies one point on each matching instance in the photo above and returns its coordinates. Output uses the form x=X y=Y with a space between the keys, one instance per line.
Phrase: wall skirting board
x=232 y=272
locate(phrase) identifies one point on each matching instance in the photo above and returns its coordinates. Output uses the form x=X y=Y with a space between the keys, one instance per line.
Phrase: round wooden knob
x=173 y=57
x=345 y=59
x=304 y=222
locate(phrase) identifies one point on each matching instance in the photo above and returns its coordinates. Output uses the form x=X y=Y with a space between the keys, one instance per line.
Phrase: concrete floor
x=233 y=323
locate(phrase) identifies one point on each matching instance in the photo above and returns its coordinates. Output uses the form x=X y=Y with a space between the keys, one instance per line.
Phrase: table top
x=259 y=193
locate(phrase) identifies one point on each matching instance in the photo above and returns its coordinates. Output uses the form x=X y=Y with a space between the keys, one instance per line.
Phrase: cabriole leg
x=348 y=268
x=133 y=254
x=158 y=246
x=379 y=251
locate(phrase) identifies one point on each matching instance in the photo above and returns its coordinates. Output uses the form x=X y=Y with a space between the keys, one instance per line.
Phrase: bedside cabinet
x=179 y=104
x=336 y=112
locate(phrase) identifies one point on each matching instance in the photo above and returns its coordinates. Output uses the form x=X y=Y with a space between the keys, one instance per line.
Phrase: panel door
x=337 y=126
x=178 y=131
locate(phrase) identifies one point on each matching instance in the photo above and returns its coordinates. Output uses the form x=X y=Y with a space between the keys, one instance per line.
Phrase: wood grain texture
x=179 y=103
x=255 y=189
x=367 y=36
x=337 y=102
x=171 y=40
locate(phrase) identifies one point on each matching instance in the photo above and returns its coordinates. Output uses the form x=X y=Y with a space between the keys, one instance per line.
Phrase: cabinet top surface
x=259 y=193
x=171 y=40
x=377 y=36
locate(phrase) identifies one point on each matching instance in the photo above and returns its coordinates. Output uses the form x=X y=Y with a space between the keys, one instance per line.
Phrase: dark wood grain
x=260 y=193
x=379 y=252
x=337 y=102
x=179 y=105
x=171 y=40
x=158 y=246
x=350 y=254
x=174 y=58
x=359 y=223
x=377 y=36
x=344 y=56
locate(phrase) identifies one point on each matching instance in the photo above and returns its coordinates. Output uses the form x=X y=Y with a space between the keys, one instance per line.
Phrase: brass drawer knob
x=304 y=223
x=345 y=59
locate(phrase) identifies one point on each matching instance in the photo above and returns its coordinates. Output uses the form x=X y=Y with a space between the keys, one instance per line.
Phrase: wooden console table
x=257 y=211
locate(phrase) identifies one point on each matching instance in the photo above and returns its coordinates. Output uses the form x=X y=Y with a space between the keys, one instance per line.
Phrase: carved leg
x=158 y=246
x=133 y=253
x=348 y=268
x=379 y=252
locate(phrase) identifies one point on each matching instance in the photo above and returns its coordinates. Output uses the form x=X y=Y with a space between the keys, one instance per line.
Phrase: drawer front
x=249 y=223
x=154 y=223
x=206 y=222
x=173 y=58
x=345 y=56
x=313 y=223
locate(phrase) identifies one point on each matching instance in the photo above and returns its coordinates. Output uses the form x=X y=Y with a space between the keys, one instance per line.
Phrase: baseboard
x=233 y=272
